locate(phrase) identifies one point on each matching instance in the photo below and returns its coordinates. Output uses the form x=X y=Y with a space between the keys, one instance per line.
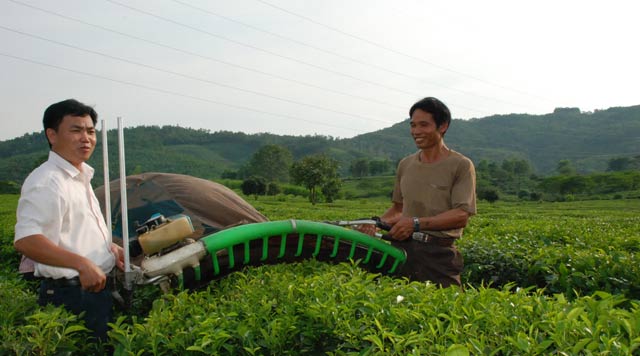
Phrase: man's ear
x=443 y=128
x=51 y=135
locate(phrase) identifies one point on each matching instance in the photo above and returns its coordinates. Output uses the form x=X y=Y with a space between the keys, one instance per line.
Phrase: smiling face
x=74 y=140
x=424 y=131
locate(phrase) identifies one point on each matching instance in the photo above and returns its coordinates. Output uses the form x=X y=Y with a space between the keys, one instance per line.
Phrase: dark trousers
x=97 y=307
x=431 y=262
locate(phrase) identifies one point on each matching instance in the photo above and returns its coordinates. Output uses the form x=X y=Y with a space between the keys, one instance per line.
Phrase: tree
x=490 y=195
x=331 y=189
x=313 y=172
x=522 y=168
x=620 y=164
x=273 y=188
x=379 y=166
x=9 y=187
x=498 y=175
x=254 y=186
x=229 y=174
x=565 y=168
x=271 y=162
x=522 y=171
x=359 y=168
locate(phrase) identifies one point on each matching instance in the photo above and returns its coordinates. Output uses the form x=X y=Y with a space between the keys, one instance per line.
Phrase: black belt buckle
x=420 y=236
x=429 y=239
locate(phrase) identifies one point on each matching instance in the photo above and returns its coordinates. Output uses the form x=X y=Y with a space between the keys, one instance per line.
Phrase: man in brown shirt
x=433 y=198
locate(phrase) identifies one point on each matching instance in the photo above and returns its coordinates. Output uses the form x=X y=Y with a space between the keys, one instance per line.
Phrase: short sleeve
x=463 y=192
x=38 y=209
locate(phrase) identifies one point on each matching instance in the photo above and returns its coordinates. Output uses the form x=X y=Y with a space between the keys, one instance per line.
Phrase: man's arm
x=42 y=250
x=390 y=217
x=118 y=252
x=450 y=219
x=393 y=214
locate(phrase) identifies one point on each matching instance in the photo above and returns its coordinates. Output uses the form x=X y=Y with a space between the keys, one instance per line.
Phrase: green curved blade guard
x=226 y=239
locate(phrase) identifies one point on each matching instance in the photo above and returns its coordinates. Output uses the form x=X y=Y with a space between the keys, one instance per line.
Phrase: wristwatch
x=416 y=224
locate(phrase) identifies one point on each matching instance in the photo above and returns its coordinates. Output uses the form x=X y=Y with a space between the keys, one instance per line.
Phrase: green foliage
x=27 y=329
x=359 y=168
x=538 y=139
x=592 y=184
x=488 y=194
x=380 y=167
x=273 y=188
x=229 y=174
x=565 y=168
x=315 y=172
x=254 y=186
x=290 y=189
x=513 y=178
x=313 y=307
x=9 y=187
x=271 y=162
x=233 y=184
x=368 y=187
x=569 y=248
x=564 y=280
x=331 y=189
x=363 y=167
x=619 y=164
x=8 y=205
x=55 y=330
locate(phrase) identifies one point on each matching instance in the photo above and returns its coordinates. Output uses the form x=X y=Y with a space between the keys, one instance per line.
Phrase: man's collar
x=70 y=169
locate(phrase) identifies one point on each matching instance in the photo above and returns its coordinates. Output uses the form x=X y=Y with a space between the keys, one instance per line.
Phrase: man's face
x=75 y=139
x=424 y=131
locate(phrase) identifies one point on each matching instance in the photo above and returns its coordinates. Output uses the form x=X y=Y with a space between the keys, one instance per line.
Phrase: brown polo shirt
x=428 y=189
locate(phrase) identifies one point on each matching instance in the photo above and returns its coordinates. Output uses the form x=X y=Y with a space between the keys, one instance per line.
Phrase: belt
x=62 y=282
x=430 y=239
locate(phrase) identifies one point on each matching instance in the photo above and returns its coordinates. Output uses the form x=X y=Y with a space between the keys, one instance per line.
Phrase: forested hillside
x=588 y=140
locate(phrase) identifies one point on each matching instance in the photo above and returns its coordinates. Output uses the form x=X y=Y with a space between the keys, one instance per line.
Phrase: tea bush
x=312 y=307
x=28 y=329
x=570 y=248
x=564 y=279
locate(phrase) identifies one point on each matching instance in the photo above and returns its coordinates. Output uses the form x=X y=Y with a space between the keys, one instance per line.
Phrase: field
x=541 y=278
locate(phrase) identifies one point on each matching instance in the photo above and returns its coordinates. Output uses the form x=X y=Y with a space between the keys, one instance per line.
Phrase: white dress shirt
x=57 y=201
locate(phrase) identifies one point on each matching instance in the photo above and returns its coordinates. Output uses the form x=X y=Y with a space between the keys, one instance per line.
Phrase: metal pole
x=107 y=187
x=128 y=272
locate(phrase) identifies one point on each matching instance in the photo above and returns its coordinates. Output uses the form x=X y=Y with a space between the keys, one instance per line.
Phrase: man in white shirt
x=59 y=223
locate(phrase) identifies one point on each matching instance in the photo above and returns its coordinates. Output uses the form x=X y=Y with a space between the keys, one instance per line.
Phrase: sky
x=336 y=68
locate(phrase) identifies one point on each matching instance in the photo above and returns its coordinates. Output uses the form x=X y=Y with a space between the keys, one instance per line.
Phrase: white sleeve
x=39 y=212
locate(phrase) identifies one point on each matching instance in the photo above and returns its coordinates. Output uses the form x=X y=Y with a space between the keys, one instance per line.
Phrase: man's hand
x=369 y=229
x=92 y=278
x=40 y=249
x=118 y=252
x=402 y=229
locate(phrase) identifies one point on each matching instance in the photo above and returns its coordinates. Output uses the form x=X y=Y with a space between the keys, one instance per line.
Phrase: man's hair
x=54 y=114
x=435 y=107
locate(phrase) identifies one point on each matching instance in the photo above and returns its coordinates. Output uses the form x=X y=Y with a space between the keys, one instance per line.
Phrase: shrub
x=254 y=186
x=314 y=307
x=273 y=188
x=490 y=195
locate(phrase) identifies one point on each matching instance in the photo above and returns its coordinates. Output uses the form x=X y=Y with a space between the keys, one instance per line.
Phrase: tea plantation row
x=542 y=278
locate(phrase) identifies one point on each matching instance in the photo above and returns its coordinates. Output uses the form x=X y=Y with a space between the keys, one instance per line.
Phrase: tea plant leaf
x=457 y=350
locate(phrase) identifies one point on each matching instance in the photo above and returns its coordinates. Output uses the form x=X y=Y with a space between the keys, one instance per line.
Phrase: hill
x=587 y=139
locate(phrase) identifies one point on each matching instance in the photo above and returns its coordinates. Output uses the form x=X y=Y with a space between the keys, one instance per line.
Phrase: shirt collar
x=69 y=168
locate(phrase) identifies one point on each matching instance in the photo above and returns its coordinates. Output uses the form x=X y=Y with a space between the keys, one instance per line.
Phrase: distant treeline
x=589 y=141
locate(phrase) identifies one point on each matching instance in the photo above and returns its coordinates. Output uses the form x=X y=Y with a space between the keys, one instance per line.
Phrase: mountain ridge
x=587 y=139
